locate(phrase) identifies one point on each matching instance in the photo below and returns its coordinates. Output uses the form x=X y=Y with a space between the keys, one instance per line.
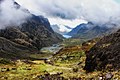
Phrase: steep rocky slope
x=29 y=37
x=33 y=35
x=105 y=54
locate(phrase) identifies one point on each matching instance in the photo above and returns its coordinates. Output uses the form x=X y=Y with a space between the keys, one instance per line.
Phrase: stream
x=52 y=49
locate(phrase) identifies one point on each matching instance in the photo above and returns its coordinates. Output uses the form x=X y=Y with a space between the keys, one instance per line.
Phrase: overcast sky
x=74 y=12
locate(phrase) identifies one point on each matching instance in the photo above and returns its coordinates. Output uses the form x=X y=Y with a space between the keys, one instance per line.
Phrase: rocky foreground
x=105 y=54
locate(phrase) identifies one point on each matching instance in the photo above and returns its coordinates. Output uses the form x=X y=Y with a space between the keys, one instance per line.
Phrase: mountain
x=61 y=29
x=27 y=38
x=105 y=54
x=90 y=31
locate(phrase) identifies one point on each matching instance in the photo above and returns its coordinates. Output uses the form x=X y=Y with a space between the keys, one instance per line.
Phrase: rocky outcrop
x=105 y=54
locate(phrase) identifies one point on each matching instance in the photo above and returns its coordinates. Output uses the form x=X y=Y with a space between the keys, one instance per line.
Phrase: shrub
x=75 y=69
x=5 y=61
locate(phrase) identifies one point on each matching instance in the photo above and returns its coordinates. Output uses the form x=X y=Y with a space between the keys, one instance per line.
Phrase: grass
x=69 y=69
x=22 y=71
x=5 y=61
x=70 y=61
x=72 y=42
x=41 y=56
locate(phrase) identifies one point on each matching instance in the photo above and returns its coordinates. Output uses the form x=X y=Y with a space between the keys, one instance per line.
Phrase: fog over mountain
x=61 y=29
x=11 y=14
x=96 y=11
x=70 y=13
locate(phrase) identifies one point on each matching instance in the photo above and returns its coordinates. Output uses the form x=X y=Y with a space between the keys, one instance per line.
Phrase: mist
x=11 y=14
x=95 y=11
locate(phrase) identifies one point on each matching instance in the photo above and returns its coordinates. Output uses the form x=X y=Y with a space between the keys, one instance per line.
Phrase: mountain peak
x=61 y=29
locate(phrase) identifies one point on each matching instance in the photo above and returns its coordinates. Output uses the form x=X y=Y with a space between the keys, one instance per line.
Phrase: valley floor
x=39 y=70
x=67 y=64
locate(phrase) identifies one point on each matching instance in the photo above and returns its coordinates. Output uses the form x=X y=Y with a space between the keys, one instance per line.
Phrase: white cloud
x=101 y=11
x=70 y=23
x=96 y=11
x=10 y=14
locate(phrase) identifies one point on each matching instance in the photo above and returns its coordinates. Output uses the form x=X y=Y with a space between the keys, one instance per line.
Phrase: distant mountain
x=61 y=29
x=28 y=38
x=90 y=31
x=105 y=54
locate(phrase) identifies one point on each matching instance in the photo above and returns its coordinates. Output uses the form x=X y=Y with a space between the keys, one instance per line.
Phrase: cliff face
x=105 y=54
x=39 y=30
x=31 y=36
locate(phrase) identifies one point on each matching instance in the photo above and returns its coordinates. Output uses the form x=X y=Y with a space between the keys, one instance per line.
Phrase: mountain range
x=90 y=30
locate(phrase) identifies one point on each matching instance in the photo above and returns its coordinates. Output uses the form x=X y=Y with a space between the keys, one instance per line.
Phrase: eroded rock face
x=105 y=54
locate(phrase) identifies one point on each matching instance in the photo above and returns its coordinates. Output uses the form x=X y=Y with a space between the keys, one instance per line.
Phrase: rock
x=75 y=69
x=105 y=52
x=108 y=76
x=8 y=69
x=100 y=78
x=29 y=68
x=13 y=68
x=47 y=61
x=51 y=77
x=3 y=69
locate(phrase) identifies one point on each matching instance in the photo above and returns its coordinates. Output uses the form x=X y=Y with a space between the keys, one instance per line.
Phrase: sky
x=74 y=12
x=117 y=1
x=48 y=9
x=65 y=12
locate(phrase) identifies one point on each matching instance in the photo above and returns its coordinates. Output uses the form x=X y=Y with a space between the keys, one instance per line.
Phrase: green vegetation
x=5 y=61
x=72 y=42
x=67 y=64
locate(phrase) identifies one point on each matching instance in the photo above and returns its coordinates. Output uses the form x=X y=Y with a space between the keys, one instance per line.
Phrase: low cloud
x=11 y=14
x=96 y=11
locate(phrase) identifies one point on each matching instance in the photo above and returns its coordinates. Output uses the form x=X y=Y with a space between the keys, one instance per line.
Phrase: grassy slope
x=69 y=61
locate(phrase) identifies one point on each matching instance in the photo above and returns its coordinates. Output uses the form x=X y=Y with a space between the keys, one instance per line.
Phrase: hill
x=105 y=54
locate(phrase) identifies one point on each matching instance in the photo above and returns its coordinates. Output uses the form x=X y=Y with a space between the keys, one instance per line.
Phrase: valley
x=59 y=40
x=67 y=63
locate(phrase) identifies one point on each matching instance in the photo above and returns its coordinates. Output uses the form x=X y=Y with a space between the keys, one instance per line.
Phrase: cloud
x=101 y=11
x=70 y=23
x=11 y=14
x=96 y=11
